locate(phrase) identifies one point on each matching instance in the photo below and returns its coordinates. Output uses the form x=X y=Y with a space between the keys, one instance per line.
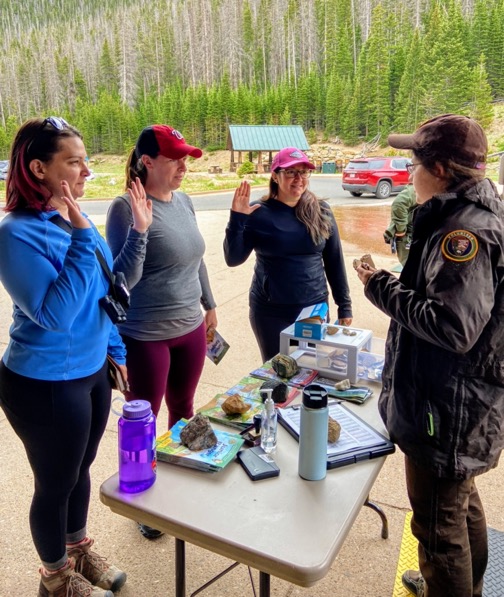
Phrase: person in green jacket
x=398 y=233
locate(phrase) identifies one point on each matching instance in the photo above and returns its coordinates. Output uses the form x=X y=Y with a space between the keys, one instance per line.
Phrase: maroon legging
x=170 y=368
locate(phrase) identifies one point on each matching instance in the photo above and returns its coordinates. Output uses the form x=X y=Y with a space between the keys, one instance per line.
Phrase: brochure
x=169 y=449
x=355 y=394
x=216 y=346
x=358 y=440
x=302 y=378
x=213 y=411
x=248 y=388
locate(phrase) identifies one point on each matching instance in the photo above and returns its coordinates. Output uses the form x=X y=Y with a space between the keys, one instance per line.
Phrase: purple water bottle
x=137 y=447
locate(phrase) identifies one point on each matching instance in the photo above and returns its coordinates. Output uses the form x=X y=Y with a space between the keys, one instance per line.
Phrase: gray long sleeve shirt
x=164 y=267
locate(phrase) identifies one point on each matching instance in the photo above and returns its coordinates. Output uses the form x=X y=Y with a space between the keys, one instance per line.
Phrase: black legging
x=60 y=424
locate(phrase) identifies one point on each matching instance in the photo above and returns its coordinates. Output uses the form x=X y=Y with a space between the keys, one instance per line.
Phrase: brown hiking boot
x=95 y=568
x=68 y=583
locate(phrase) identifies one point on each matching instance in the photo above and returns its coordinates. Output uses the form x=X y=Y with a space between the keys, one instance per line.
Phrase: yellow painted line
x=408 y=558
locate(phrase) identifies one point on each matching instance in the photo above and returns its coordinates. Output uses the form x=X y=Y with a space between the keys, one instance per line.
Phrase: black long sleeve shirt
x=290 y=269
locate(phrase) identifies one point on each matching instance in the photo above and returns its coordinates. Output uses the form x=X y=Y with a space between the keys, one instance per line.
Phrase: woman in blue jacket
x=54 y=387
x=297 y=246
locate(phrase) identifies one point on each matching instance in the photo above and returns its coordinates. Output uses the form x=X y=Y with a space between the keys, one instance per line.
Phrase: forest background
x=347 y=70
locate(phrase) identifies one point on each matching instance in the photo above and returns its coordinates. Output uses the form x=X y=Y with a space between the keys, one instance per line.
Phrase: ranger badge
x=459 y=246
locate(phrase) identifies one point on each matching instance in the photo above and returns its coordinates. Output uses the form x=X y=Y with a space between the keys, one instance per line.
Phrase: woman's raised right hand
x=241 y=200
x=74 y=213
x=141 y=207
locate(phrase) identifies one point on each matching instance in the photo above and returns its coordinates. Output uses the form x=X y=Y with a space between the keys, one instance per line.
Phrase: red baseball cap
x=290 y=156
x=447 y=137
x=161 y=139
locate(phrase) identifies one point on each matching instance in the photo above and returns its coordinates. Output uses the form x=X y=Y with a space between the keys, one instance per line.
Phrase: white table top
x=284 y=526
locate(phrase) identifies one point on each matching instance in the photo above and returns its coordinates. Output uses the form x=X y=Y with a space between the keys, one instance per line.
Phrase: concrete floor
x=366 y=565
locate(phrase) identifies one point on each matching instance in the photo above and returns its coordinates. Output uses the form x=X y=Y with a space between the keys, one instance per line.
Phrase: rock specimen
x=198 y=434
x=368 y=259
x=234 y=405
x=284 y=365
x=334 y=431
x=344 y=384
x=279 y=393
x=347 y=332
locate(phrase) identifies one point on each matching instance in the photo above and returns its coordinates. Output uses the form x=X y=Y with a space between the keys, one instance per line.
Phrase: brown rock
x=334 y=431
x=198 y=434
x=234 y=405
x=344 y=384
x=368 y=259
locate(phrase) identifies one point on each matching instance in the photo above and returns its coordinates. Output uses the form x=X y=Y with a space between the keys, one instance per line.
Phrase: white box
x=335 y=356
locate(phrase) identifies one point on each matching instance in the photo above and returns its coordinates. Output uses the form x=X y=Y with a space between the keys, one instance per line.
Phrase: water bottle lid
x=314 y=396
x=136 y=409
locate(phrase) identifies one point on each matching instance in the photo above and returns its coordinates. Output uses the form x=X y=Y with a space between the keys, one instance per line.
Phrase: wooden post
x=260 y=167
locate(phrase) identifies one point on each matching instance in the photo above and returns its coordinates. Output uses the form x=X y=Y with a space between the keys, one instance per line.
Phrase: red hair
x=35 y=140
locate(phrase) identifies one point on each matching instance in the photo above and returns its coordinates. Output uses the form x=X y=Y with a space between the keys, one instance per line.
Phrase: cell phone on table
x=257 y=464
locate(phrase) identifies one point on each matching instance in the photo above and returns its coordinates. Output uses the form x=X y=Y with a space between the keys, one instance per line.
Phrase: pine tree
x=375 y=78
x=494 y=51
x=407 y=105
x=444 y=83
x=480 y=103
x=108 y=70
x=351 y=118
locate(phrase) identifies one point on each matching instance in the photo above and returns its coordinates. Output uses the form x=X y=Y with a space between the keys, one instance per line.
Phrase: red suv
x=380 y=176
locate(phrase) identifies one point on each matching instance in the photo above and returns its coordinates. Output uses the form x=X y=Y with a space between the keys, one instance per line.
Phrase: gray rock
x=198 y=434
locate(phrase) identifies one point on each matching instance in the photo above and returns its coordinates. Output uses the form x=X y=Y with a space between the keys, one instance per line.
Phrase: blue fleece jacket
x=59 y=331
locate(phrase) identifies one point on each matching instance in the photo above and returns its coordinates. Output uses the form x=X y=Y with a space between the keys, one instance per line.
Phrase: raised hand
x=241 y=200
x=141 y=207
x=74 y=213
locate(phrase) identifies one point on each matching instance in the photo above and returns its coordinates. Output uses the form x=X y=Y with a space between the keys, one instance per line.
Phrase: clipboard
x=358 y=440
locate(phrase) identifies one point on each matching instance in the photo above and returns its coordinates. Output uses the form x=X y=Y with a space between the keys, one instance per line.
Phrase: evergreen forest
x=351 y=70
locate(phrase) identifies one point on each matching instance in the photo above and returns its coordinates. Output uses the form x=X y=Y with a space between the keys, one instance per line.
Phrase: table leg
x=264 y=584
x=382 y=515
x=180 y=580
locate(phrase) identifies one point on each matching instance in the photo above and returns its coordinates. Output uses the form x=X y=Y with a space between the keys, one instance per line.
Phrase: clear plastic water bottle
x=313 y=432
x=137 y=446
x=269 y=424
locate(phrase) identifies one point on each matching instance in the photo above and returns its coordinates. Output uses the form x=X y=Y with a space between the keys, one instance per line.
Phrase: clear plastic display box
x=348 y=353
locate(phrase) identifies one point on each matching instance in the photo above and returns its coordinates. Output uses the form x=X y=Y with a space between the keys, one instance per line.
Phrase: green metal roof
x=243 y=137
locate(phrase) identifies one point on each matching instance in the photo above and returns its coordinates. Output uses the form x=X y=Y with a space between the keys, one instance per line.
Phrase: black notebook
x=358 y=440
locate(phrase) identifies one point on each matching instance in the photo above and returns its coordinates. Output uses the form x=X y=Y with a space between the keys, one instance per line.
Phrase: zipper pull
x=430 y=424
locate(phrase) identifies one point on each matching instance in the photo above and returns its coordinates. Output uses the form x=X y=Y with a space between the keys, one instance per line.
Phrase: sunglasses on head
x=56 y=122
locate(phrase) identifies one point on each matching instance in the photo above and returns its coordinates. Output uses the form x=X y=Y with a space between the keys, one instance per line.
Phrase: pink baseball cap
x=165 y=140
x=290 y=156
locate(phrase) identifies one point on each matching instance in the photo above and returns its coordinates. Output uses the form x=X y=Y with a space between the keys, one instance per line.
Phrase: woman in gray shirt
x=165 y=332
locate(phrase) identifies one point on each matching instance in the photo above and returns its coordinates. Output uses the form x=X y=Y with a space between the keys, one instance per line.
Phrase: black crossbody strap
x=64 y=225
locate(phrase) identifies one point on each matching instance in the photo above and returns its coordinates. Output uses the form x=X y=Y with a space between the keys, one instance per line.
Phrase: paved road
x=325 y=186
